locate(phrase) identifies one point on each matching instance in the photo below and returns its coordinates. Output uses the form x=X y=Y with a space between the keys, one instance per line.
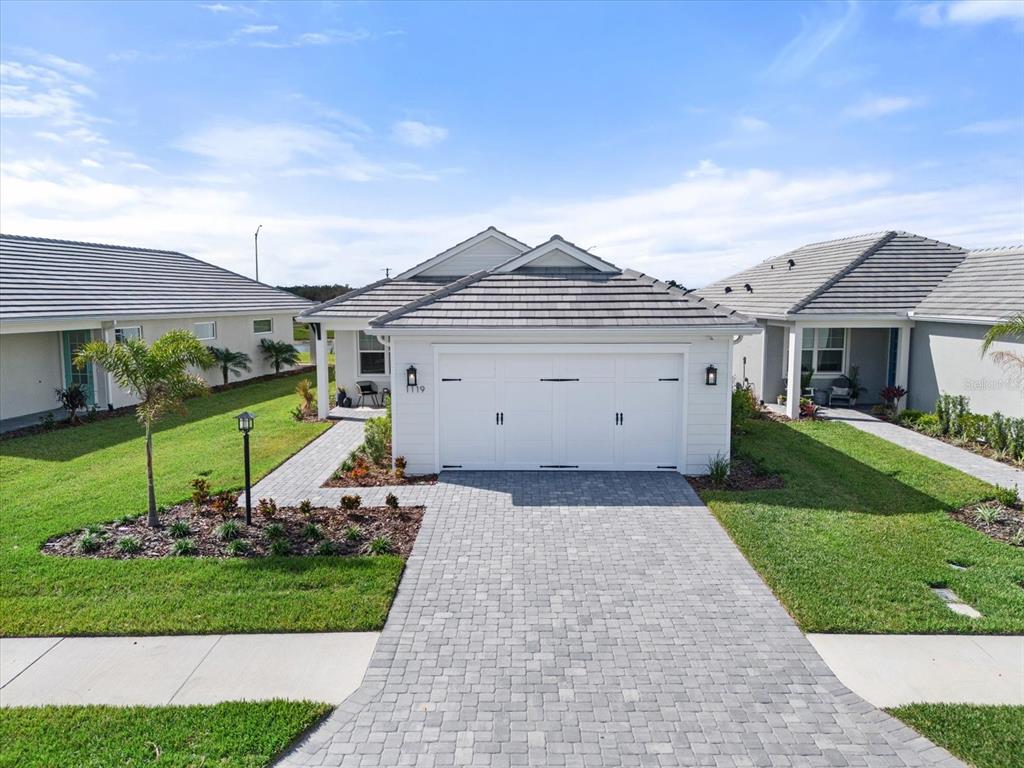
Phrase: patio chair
x=367 y=389
x=841 y=390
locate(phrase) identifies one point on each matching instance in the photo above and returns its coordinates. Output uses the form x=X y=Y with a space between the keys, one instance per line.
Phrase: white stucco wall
x=946 y=357
x=707 y=429
x=30 y=371
x=748 y=348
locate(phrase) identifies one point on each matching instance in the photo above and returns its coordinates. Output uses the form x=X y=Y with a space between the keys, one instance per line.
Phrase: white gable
x=483 y=250
x=557 y=252
x=486 y=254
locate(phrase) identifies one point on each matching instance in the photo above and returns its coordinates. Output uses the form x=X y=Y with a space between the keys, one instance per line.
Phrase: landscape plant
x=1012 y=326
x=229 y=362
x=72 y=399
x=279 y=353
x=157 y=375
x=304 y=389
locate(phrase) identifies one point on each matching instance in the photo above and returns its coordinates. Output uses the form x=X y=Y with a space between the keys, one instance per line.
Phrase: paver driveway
x=593 y=619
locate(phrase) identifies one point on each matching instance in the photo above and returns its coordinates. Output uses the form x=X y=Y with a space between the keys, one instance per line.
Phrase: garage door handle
x=499 y=418
x=668 y=379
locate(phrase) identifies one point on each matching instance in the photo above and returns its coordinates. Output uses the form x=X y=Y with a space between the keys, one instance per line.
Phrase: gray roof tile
x=41 y=279
x=987 y=285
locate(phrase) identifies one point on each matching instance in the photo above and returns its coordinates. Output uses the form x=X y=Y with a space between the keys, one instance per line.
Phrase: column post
x=323 y=396
x=795 y=332
x=903 y=363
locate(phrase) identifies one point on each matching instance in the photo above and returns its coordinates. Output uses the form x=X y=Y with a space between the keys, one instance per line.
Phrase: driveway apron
x=593 y=619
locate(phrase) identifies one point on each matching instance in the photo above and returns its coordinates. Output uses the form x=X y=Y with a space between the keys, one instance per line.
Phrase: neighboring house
x=503 y=356
x=903 y=309
x=56 y=295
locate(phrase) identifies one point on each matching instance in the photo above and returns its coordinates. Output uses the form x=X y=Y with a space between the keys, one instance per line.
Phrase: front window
x=263 y=325
x=824 y=350
x=205 y=331
x=122 y=334
x=372 y=355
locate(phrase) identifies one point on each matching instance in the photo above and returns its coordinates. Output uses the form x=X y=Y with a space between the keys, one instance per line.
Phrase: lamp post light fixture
x=245 y=425
x=711 y=375
x=410 y=376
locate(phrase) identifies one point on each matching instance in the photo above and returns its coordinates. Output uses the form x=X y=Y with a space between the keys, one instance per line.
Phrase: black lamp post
x=245 y=424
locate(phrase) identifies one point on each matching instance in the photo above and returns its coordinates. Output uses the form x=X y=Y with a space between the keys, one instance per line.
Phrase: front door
x=72 y=341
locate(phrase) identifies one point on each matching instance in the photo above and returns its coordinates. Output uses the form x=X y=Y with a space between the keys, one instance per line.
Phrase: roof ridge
x=440 y=293
x=684 y=294
x=345 y=296
x=33 y=239
x=550 y=240
x=873 y=248
x=993 y=248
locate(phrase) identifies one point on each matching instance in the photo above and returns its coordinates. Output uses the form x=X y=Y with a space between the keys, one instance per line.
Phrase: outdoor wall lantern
x=245 y=424
x=711 y=375
x=410 y=376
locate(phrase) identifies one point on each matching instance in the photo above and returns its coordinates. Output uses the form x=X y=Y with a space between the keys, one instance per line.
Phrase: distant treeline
x=316 y=292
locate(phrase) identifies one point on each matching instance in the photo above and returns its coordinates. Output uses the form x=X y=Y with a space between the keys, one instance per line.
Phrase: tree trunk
x=277 y=366
x=224 y=370
x=153 y=521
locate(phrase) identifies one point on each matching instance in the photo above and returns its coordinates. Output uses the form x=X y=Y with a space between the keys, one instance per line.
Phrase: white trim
x=954 y=320
x=259 y=320
x=556 y=244
x=815 y=350
x=533 y=349
x=81 y=323
x=122 y=328
x=205 y=322
x=625 y=332
x=455 y=250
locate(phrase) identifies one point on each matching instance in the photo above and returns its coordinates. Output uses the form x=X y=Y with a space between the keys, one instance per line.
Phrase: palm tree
x=279 y=353
x=1012 y=326
x=157 y=375
x=229 y=362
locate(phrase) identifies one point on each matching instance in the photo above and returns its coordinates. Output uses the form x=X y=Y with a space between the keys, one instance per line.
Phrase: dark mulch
x=399 y=525
x=375 y=477
x=744 y=475
x=1008 y=527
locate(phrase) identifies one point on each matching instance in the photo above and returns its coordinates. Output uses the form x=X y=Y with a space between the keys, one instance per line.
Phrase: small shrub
x=92 y=414
x=129 y=545
x=304 y=389
x=881 y=411
x=274 y=531
x=179 y=529
x=184 y=548
x=381 y=546
x=377 y=440
x=89 y=543
x=47 y=422
x=891 y=396
x=744 y=405
x=988 y=514
x=927 y=424
x=229 y=530
x=312 y=532
x=72 y=399
x=997 y=433
x=326 y=548
x=306 y=507
x=267 y=508
x=95 y=529
x=354 y=533
x=297 y=413
x=718 y=469
x=351 y=501
x=1007 y=496
x=1017 y=539
x=910 y=416
x=808 y=409
x=200 y=492
x=391 y=501
x=224 y=504
x=280 y=547
x=127 y=519
x=400 y=465
x=238 y=547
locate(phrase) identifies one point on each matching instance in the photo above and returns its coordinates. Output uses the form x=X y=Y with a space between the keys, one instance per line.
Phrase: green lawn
x=853 y=541
x=986 y=737
x=59 y=481
x=231 y=735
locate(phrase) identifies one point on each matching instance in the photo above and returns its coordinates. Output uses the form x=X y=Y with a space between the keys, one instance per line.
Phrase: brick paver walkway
x=593 y=619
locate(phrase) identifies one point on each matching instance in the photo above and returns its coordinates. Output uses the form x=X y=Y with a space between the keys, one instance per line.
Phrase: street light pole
x=256 y=244
x=245 y=425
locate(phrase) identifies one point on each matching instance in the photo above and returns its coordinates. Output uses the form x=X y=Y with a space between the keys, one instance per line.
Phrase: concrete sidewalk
x=182 y=669
x=892 y=670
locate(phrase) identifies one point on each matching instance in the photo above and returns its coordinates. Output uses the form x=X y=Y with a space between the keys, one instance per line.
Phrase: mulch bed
x=744 y=475
x=1008 y=526
x=399 y=525
x=375 y=477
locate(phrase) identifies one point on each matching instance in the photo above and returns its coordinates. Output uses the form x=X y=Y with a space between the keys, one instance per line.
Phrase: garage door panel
x=650 y=367
x=527 y=429
x=649 y=430
x=589 y=422
x=468 y=367
x=588 y=367
x=469 y=435
x=527 y=367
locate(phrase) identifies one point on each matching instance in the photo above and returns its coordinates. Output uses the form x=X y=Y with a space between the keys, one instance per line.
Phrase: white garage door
x=560 y=411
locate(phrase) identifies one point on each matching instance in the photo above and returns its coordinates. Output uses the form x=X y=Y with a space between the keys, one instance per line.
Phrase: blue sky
x=686 y=140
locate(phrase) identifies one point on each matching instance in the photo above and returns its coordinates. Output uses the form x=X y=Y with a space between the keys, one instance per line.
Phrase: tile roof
x=375 y=299
x=42 y=279
x=884 y=273
x=987 y=285
x=552 y=298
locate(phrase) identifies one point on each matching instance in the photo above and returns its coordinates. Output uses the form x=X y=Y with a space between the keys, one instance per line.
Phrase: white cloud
x=258 y=29
x=992 y=127
x=88 y=162
x=749 y=124
x=816 y=36
x=413 y=133
x=228 y=8
x=49 y=97
x=879 y=106
x=326 y=37
x=710 y=222
x=964 y=12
